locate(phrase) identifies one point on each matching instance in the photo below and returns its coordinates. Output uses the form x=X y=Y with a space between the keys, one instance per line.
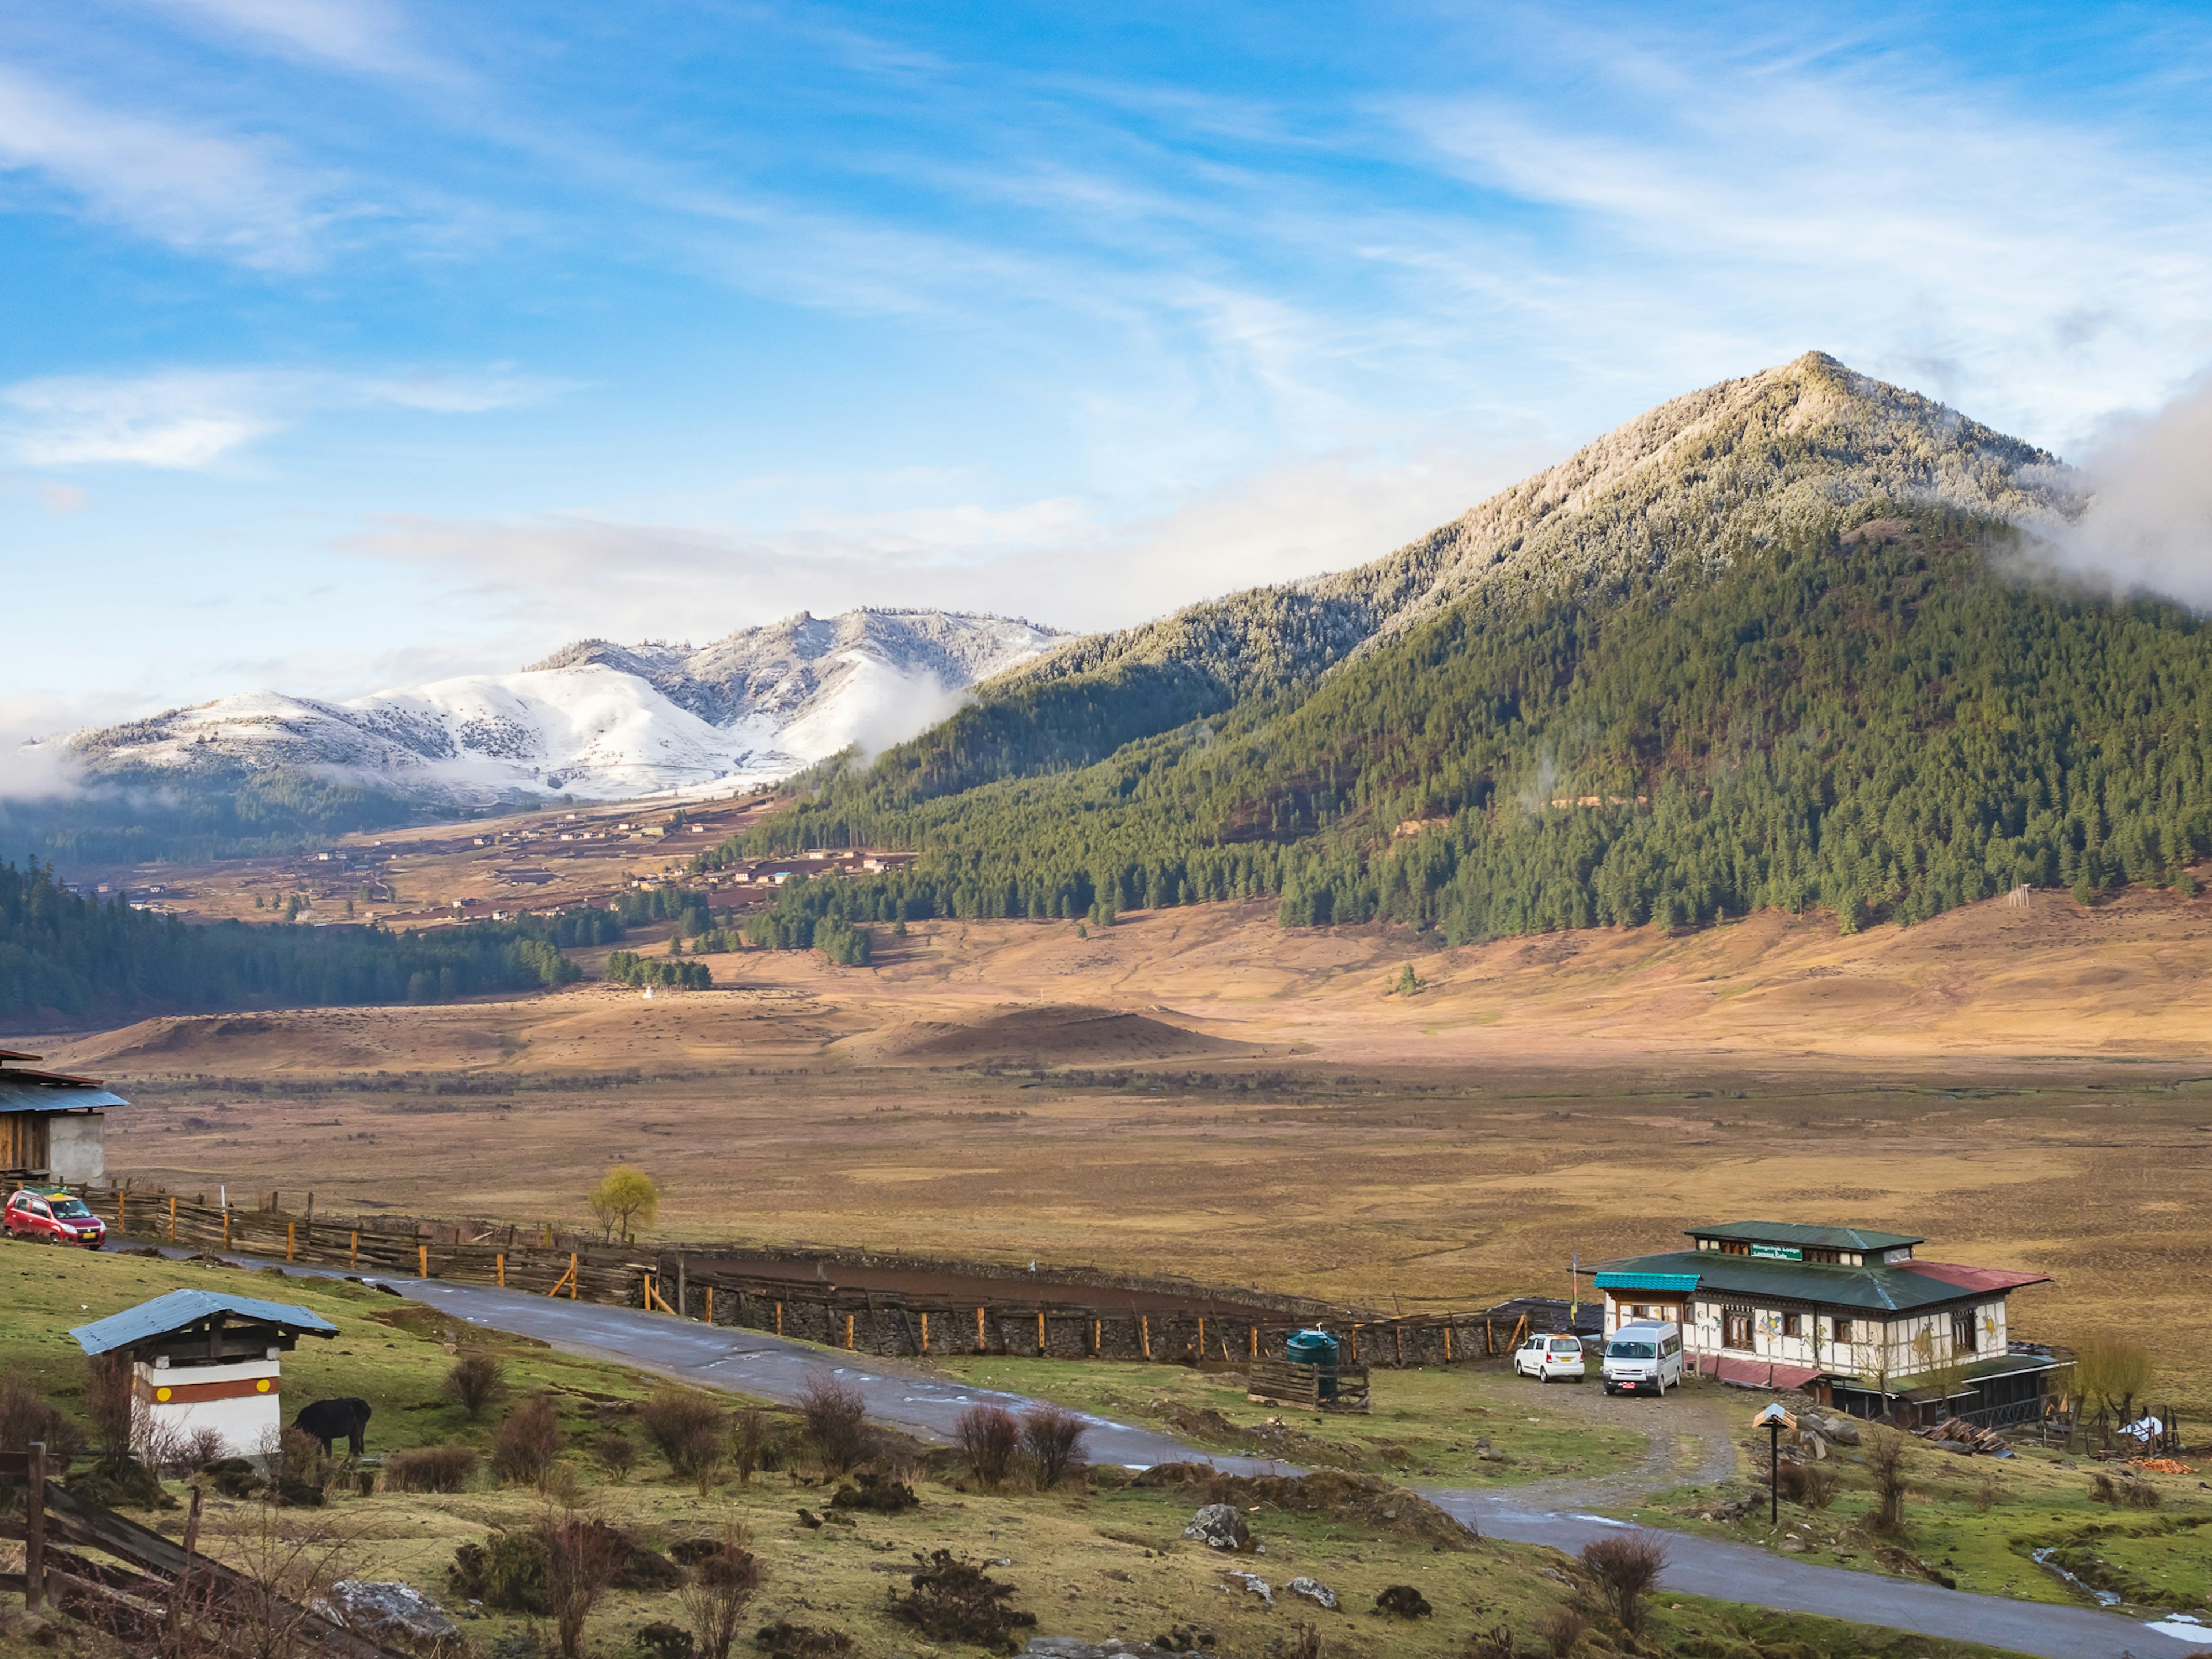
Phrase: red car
x=54 y=1217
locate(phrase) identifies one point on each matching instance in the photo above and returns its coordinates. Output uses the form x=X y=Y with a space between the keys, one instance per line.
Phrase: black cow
x=327 y=1419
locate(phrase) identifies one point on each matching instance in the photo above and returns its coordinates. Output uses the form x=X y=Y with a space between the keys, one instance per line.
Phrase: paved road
x=769 y=1368
x=748 y=1362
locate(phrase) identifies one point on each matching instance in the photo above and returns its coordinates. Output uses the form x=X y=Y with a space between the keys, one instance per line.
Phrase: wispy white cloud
x=193 y=189
x=364 y=35
x=191 y=420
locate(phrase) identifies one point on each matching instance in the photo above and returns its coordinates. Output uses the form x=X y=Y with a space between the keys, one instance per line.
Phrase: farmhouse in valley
x=53 y=1127
x=1849 y=1314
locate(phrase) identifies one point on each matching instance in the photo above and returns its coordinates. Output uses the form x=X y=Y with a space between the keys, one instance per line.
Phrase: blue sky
x=354 y=342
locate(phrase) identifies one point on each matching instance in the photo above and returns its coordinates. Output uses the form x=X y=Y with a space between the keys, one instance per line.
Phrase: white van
x=1644 y=1357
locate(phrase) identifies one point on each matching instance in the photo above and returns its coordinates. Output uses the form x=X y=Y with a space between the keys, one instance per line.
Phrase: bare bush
x=111 y=1409
x=721 y=1587
x=1625 y=1566
x=2126 y=1492
x=689 y=1430
x=583 y=1556
x=618 y=1455
x=1303 y=1642
x=986 y=1439
x=1813 y=1485
x=429 y=1468
x=836 y=1423
x=26 y=1417
x=1889 y=1462
x=476 y=1379
x=1053 y=1437
x=526 y=1442
x=281 y=1565
x=1561 y=1631
x=749 y=1441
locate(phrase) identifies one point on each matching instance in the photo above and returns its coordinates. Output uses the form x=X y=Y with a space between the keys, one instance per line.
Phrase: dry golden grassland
x=1198 y=1090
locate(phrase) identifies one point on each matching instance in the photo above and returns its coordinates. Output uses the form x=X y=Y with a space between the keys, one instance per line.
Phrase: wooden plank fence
x=711 y=1283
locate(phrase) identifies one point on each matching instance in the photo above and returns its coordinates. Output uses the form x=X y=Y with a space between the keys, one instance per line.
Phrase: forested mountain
x=1768 y=645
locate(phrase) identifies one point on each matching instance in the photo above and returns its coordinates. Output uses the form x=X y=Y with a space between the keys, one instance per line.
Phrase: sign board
x=1778 y=1252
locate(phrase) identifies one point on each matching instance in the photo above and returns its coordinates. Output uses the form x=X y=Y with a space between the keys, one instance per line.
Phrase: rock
x=1841 y=1430
x=1403 y=1602
x=1814 y=1445
x=370 y=1607
x=1314 y=1591
x=1257 y=1585
x=1793 y=1547
x=1064 y=1647
x=1219 y=1527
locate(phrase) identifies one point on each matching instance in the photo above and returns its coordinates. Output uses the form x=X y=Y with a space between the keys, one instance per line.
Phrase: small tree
x=624 y=1200
x=476 y=1379
x=2115 y=1369
x=749 y=1441
x=1625 y=1566
x=526 y=1442
x=1888 y=1458
x=1053 y=1437
x=987 y=1439
x=110 y=1407
x=583 y=1556
x=721 y=1586
x=689 y=1430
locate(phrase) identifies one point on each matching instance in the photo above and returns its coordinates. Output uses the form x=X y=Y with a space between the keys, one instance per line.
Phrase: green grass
x=1429 y=1426
x=1978 y=1519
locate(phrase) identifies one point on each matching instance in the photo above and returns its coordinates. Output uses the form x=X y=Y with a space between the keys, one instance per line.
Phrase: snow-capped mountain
x=604 y=721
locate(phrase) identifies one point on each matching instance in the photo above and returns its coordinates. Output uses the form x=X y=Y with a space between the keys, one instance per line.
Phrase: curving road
x=770 y=1368
x=748 y=1362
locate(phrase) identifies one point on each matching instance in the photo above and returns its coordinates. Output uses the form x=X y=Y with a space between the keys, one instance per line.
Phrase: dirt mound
x=1362 y=1500
x=169 y=1038
x=1048 y=1034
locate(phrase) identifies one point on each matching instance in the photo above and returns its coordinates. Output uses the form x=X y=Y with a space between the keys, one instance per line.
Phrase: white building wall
x=76 y=1145
x=249 y=1423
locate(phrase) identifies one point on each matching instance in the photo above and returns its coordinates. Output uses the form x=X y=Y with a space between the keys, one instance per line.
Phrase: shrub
x=784 y=1640
x=583 y=1556
x=108 y=1408
x=1813 y=1485
x=986 y=1439
x=722 y=1584
x=876 y=1494
x=301 y=1468
x=526 y=1442
x=429 y=1468
x=836 y=1426
x=1625 y=1566
x=1403 y=1602
x=1561 y=1631
x=25 y=1416
x=507 y=1572
x=749 y=1441
x=2126 y=1492
x=476 y=1381
x=1053 y=1437
x=666 y=1641
x=688 y=1431
x=617 y=1453
x=956 y=1600
x=1888 y=1460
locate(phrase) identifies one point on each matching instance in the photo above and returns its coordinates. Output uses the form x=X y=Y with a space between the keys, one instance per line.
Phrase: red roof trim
x=1756 y=1373
x=11 y=1053
x=1974 y=1278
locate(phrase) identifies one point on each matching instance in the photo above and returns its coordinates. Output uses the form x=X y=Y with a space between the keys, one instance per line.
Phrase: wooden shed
x=53 y=1126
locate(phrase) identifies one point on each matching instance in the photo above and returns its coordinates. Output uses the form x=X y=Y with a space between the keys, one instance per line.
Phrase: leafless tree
x=1053 y=1437
x=721 y=1588
x=584 y=1554
x=836 y=1425
x=987 y=1439
x=1625 y=1566
x=1888 y=1458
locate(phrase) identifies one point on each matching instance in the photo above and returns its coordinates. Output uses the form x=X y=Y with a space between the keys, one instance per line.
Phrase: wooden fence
x=722 y=1286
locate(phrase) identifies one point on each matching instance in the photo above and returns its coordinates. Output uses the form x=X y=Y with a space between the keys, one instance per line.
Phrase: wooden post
x=549 y=1235
x=575 y=1279
x=499 y=1266
x=924 y=1333
x=422 y=1260
x=1145 y=1334
x=778 y=1318
x=710 y=1304
x=1201 y=1336
x=1447 y=1339
x=353 y=1248
x=683 y=1301
x=848 y=1330
x=982 y=1346
x=1398 y=1331
x=34 y=1527
x=1256 y=1342
x=123 y=1212
x=226 y=1226
x=1097 y=1337
x=1040 y=1335
x=291 y=1240
x=173 y=1217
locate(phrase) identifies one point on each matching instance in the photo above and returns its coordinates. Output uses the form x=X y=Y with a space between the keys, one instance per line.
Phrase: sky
x=355 y=342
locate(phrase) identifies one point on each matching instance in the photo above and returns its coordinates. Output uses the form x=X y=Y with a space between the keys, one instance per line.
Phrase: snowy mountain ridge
x=602 y=722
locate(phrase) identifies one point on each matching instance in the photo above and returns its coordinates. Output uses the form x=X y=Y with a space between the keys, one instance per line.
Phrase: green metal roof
x=1683 y=1282
x=1791 y=1232
x=1879 y=1290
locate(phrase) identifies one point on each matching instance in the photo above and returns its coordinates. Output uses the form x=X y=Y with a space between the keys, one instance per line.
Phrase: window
x=1815 y=1252
x=1962 y=1331
x=1839 y=1330
x=1735 y=1328
x=1793 y=1324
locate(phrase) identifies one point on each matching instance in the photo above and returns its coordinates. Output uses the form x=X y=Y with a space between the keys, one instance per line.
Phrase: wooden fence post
x=982 y=1346
x=173 y=1217
x=1097 y=1337
x=848 y=1330
x=1040 y=1335
x=1256 y=1342
x=423 y=1260
x=1201 y=1337
x=34 y=1527
x=924 y=1332
x=291 y=1239
x=1145 y=1334
x=353 y=1250
x=123 y=1212
x=575 y=1287
x=710 y=1304
x=226 y=1226
x=499 y=1266
x=778 y=1318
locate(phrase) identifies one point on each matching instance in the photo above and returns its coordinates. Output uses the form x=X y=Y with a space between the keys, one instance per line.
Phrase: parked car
x=1644 y=1357
x=1547 y=1357
x=54 y=1217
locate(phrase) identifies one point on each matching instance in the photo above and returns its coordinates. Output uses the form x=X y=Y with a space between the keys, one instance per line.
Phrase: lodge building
x=1850 y=1316
x=53 y=1126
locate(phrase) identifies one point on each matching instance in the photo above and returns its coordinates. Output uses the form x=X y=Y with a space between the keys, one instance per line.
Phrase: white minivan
x=1644 y=1357
x=1547 y=1357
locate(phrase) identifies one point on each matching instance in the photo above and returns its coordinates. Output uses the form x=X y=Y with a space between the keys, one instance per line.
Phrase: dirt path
x=1691 y=1436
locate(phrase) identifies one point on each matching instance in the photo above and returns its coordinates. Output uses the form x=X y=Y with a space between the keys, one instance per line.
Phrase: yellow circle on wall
x=262 y=1387
x=161 y=1393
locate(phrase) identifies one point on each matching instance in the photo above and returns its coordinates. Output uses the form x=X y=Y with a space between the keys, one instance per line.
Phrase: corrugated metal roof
x=181 y=1311
x=1791 y=1232
x=1884 y=1289
x=51 y=1097
x=1683 y=1282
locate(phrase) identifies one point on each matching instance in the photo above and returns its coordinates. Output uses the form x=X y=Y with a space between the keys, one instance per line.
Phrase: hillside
x=595 y=721
x=1801 y=674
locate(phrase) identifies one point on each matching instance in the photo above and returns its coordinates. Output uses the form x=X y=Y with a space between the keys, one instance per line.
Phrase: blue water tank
x=1315 y=1348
